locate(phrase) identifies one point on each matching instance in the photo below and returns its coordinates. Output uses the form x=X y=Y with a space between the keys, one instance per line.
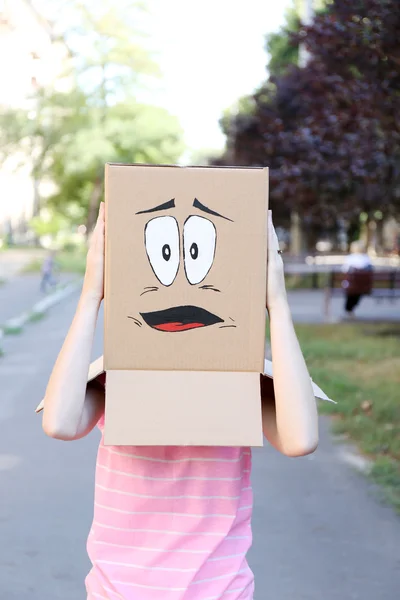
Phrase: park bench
x=377 y=284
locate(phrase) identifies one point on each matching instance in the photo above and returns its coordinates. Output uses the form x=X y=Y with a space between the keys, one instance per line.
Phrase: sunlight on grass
x=358 y=366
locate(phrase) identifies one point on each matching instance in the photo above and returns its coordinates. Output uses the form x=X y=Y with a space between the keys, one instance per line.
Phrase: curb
x=353 y=458
x=37 y=312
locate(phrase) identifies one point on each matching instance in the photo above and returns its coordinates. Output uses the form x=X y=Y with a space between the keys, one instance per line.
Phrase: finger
x=273 y=243
x=100 y=215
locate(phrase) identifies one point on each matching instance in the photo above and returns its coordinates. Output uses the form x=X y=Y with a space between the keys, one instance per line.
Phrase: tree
x=281 y=48
x=131 y=133
x=330 y=131
x=71 y=134
x=109 y=70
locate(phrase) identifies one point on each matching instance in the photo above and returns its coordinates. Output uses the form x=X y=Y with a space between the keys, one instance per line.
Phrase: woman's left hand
x=276 y=290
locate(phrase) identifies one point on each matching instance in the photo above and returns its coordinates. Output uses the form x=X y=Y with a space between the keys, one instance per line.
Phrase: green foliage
x=68 y=137
x=131 y=133
x=280 y=47
x=244 y=107
x=49 y=223
x=386 y=473
x=67 y=261
x=329 y=131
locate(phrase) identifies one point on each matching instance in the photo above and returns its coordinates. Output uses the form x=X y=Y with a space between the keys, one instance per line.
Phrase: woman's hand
x=93 y=285
x=276 y=290
x=290 y=422
x=70 y=410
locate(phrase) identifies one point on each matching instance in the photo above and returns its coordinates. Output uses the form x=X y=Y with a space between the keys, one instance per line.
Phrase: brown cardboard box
x=186 y=255
x=96 y=372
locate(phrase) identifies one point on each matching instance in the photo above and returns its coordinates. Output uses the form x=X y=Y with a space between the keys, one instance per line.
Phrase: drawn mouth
x=180 y=318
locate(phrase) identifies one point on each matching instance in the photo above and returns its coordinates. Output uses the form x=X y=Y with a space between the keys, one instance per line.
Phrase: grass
x=34 y=317
x=12 y=329
x=305 y=281
x=67 y=262
x=358 y=366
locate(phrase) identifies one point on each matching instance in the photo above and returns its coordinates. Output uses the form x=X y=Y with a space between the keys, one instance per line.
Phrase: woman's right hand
x=93 y=284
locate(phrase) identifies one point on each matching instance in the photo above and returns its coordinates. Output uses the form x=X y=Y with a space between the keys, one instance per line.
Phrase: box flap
x=268 y=372
x=181 y=408
x=95 y=369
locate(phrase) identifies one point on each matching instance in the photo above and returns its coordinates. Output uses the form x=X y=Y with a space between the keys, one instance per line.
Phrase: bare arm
x=290 y=418
x=71 y=410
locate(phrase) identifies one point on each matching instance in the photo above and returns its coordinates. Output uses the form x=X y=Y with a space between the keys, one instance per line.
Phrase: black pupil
x=166 y=252
x=194 y=251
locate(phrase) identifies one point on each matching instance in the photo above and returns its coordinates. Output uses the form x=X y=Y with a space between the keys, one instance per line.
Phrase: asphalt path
x=320 y=530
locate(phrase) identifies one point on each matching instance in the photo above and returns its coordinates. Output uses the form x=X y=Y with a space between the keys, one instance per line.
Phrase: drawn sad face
x=181 y=254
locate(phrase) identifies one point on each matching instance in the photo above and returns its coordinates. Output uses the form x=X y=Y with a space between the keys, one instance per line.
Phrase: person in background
x=48 y=268
x=358 y=267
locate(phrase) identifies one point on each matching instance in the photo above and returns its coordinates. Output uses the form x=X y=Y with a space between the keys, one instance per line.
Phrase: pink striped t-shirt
x=171 y=523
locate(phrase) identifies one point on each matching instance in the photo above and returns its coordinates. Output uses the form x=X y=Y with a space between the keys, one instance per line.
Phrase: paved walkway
x=319 y=530
x=20 y=293
x=307 y=307
x=13 y=260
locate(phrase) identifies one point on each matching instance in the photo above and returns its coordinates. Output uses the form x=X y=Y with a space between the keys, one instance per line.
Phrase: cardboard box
x=185 y=283
x=97 y=373
x=185 y=290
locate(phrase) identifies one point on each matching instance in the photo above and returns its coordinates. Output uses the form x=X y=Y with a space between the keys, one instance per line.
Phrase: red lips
x=178 y=326
x=180 y=318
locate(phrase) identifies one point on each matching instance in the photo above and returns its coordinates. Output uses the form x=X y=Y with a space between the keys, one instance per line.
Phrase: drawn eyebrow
x=165 y=206
x=200 y=206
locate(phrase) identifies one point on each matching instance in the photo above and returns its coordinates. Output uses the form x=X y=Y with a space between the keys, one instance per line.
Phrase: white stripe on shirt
x=172 y=479
x=165 y=589
x=166 y=514
x=167 y=551
x=176 y=460
x=163 y=531
x=157 y=497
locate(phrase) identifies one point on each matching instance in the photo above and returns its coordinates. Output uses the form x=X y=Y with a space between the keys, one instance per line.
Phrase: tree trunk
x=36 y=206
x=296 y=237
x=371 y=236
x=94 y=205
x=36 y=198
x=379 y=237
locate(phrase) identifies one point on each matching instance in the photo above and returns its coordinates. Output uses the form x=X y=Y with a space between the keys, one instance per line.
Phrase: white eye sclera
x=199 y=240
x=162 y=246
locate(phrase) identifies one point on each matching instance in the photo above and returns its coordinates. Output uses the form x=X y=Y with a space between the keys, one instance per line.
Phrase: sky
x=211 y=52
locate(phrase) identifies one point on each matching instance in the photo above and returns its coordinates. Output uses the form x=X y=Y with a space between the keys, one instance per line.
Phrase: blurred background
x=309 y=88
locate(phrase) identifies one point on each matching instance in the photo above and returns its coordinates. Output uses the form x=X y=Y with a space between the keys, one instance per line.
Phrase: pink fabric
x=171 y=524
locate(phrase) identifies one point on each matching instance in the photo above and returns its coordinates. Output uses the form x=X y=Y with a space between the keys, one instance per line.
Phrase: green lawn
x=67 y=262
x=358 y=366
x=306 y=281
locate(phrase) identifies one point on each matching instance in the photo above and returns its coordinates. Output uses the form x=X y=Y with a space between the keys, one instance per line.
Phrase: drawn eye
x=161 y=238
x=199 y=238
